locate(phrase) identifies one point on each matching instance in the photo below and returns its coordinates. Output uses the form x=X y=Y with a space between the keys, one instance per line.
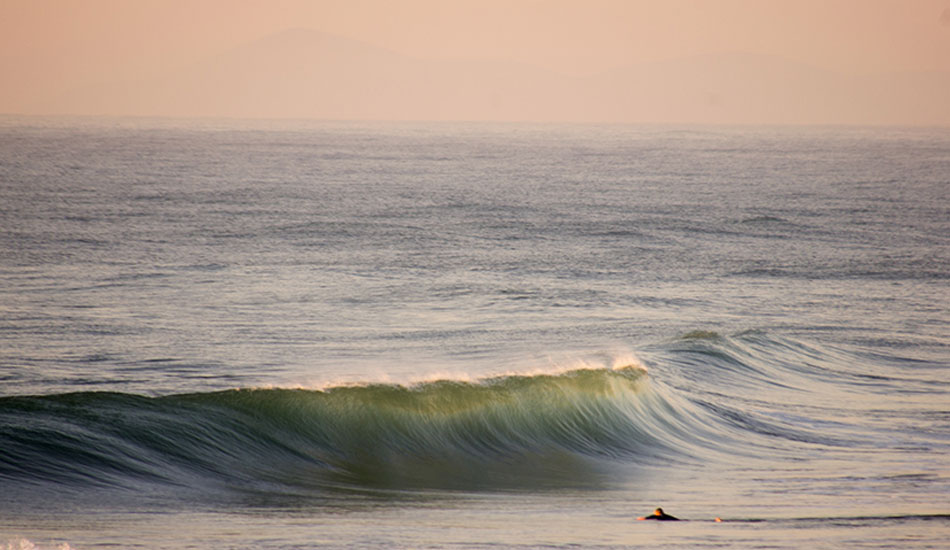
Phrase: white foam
x=22 y=543
x=549 y=365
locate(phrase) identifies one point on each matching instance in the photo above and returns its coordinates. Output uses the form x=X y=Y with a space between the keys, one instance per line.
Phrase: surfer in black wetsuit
x=660 y=515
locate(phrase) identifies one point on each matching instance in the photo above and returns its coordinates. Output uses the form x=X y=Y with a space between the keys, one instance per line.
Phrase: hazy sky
x=56 y=44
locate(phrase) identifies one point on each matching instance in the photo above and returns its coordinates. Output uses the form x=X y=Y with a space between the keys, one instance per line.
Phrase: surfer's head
x=658 y=514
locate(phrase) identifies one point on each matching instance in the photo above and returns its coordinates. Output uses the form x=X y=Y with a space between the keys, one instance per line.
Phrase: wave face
x=751 y=398
x=503 y=431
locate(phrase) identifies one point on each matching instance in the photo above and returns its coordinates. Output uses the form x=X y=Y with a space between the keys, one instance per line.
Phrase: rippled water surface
x=224 y=334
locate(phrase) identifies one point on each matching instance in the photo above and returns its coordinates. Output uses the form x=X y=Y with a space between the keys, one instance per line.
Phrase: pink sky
x=50 y=45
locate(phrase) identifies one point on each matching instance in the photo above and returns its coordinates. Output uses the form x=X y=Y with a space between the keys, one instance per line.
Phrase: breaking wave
x=574 y=428
x=508 y=430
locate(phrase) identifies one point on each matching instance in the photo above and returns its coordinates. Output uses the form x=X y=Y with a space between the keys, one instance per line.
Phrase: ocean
x=293 y=335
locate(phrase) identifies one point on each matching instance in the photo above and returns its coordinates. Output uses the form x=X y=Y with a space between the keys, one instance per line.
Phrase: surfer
x=660 y=515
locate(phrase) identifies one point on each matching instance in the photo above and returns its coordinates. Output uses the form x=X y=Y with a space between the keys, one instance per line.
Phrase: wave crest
x=501 y=431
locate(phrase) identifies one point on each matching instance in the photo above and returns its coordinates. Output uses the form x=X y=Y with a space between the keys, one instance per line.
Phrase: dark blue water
x=307 y=335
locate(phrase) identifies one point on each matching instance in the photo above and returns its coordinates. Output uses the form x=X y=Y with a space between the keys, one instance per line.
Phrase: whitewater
x=293 y=334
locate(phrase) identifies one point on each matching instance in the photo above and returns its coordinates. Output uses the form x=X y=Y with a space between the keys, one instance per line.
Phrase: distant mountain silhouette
x=303 y=73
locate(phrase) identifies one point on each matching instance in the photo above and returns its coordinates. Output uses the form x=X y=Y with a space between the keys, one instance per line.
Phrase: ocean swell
x=532 y=430
x=746 y=397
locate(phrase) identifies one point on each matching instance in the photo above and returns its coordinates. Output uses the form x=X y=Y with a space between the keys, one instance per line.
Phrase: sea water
x=276 y=335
